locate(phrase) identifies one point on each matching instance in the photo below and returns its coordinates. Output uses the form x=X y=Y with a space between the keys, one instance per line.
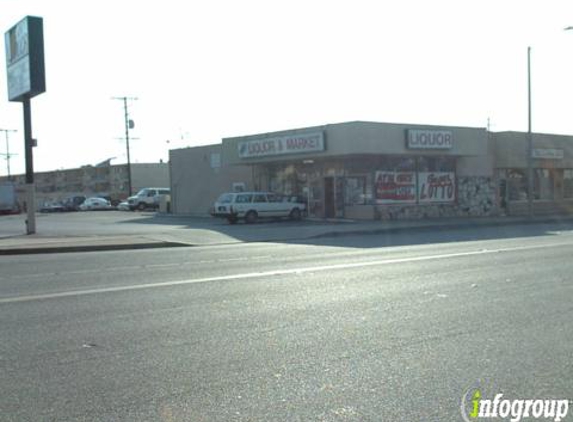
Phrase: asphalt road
x=347 y=329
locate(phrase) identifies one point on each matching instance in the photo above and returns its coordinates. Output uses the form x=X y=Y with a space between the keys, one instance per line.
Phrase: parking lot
x=185 y=229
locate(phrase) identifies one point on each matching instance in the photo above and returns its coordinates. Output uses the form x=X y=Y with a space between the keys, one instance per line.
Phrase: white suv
x=254 y=205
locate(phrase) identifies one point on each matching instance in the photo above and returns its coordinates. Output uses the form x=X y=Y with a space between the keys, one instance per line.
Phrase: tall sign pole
x=26 y=79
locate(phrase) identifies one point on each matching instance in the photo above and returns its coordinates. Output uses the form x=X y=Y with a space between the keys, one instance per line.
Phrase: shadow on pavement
x=365 y=234
x=430 y=235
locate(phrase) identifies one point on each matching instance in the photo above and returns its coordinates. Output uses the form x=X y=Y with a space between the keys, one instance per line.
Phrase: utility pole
x=128 y=125
x=8 y=155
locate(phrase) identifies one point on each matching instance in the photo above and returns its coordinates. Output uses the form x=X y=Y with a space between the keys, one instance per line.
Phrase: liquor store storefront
x=364 y=170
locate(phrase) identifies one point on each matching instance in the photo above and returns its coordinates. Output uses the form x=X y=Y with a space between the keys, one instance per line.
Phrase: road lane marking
x=292 y=271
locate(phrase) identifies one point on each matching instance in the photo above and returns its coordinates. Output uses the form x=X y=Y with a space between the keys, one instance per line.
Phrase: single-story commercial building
x=199 y=176
x=552 y=164
x=369 y=170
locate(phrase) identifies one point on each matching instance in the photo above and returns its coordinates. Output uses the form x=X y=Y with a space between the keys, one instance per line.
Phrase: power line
x=128 y=125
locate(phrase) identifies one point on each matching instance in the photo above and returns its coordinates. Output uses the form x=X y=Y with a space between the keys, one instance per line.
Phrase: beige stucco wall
x=197 y=181
x=366 y=138
x=480 y=165
x=149 y=175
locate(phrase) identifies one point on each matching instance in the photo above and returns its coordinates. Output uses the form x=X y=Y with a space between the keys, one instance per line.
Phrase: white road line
x=75 y=293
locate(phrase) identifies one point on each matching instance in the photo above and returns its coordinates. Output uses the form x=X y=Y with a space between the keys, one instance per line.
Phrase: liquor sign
x=436 y=187
x=282 y=145
x=393 y=186
x=25 y=59
x=548 y=154
x=429 y=139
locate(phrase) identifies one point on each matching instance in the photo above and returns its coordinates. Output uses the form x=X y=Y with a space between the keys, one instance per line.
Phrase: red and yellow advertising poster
x=393 y=186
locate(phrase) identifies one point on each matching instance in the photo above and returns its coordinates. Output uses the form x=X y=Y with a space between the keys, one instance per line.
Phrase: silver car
x=95 y=204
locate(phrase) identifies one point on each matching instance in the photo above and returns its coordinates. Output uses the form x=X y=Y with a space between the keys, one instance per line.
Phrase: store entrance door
x=329 y=203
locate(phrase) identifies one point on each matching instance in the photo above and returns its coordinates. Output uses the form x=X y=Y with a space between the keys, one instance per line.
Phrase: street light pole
x=529 y=139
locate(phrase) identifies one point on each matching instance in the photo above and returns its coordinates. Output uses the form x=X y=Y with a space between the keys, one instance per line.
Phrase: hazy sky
x=204 y=70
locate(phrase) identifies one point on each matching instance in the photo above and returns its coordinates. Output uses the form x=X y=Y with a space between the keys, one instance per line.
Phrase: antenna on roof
x=489 y=124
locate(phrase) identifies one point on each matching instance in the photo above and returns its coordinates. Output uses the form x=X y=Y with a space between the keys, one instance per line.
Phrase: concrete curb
x=450 y=226
x=31 y=250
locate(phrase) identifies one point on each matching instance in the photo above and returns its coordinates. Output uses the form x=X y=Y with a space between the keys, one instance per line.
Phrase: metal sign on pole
x=26 y=79
x=529 y=139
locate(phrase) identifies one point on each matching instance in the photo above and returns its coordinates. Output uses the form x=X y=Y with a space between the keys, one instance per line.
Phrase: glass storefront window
x=288 y=179
x=415 y=179
x=543 y=185
x=355 y=190
x=437 y=164
x=568 y=184
x=516 y=185
x=400 y=164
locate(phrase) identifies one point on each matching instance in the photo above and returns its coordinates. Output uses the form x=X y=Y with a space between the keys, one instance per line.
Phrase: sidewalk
x=186 y=232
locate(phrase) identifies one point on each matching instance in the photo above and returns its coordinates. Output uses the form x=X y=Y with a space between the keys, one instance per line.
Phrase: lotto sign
x=436 y=187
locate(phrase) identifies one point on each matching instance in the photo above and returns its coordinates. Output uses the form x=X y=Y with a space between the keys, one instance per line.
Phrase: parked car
x=52 y=207
x=73 y=203
x=147 y=198
x=251 y=206
x=113 y=202
x=123 y=206
x=95 y=204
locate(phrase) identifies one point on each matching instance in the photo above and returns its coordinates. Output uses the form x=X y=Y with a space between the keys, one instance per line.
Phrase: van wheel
x=141 y=206
x=295 y=214
x=251 y=217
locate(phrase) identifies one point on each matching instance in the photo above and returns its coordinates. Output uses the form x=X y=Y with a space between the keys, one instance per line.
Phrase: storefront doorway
x=329 y=198
x=334 y=197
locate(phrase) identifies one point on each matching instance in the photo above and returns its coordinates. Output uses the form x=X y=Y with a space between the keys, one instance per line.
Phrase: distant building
x=101 y=180
x=552 y=166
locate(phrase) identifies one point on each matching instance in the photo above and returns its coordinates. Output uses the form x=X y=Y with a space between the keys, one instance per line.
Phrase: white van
x=251 y=206
x=147 y=198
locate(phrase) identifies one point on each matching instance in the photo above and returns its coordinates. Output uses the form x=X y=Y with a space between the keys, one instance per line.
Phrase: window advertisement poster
x=436 y=187
x=395 y=187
